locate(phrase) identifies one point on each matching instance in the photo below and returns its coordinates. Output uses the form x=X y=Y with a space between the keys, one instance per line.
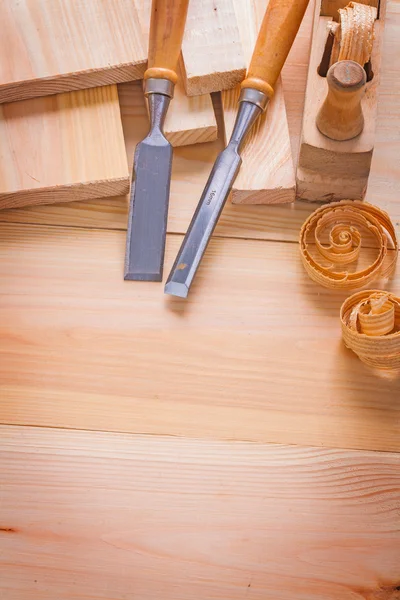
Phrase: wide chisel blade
x=147 y=224
x=148 y=212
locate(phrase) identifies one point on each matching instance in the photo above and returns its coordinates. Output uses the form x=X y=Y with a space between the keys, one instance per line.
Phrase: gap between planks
x=215 y=235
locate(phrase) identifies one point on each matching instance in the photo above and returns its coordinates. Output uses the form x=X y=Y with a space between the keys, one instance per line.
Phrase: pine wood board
x=267 y=172
x=114 y=516
x=53 y=46
x=254 y=354
x=62 y=148
x=212 y=54
x=189 y=120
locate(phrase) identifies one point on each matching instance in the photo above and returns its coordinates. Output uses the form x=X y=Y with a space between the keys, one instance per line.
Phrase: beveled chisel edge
x=176 y=289
x=132 y=276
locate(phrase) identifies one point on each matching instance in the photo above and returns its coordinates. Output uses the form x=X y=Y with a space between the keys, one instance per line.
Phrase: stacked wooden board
x=69 y=146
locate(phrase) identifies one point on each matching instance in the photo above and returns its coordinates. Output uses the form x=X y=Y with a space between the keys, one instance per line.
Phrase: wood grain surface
x=212 y=54
x=62 y=148
x=254 y=354
x=267 y=172
x=106 y=516
x=52 y=46
x=82 y=348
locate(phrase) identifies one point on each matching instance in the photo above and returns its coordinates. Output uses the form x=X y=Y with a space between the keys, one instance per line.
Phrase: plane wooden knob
x=341 y=117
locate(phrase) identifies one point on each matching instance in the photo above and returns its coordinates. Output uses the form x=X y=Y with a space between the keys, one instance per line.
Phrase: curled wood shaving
x=371 y=328
x=343 y=222
x=354 y=35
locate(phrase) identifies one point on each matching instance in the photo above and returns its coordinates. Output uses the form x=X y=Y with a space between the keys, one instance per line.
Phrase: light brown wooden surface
x=212 y=53
x=62 y=148
x=232 y=362
x=189 y=120
x=114 y=516
x=52 y=46
x=267 y=172
x=349 y=161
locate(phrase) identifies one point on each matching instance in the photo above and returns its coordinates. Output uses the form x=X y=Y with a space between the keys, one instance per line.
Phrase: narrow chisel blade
x=203 y=223
x=211 y=203
x=148 y=212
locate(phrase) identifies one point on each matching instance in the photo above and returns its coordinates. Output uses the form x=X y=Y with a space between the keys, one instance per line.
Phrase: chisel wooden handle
x=168 y=18
x=278 y=30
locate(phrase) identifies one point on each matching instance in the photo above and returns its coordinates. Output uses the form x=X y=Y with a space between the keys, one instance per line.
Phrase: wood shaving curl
x=354 y=35
x=371 y=328
x=342 y=222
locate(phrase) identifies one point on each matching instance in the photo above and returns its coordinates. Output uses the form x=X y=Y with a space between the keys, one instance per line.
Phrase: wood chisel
x=147 y=222
x=278 y=31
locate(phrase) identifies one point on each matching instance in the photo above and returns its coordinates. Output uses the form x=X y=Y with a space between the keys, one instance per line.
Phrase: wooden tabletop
x=223 y=447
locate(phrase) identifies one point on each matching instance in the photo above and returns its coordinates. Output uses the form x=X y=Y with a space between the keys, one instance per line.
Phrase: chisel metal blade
x=147 y=223
x=211 y=203
x=203 y=223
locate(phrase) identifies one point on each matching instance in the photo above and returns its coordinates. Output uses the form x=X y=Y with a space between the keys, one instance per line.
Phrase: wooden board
x=189 y=120
x=62 y=148
x=52 y=46
x=267 y=173
x=106 y=516
x=330 y=170
x=122 y=356
x=212 y=53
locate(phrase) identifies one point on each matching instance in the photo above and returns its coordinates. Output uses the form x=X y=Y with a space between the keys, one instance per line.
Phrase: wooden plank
x=114 y=516
x=213 y=58
x=267 y=173
x=189 y=120
x=62 y=148
x=52 y=46
x=254 y=354
x=192 y=165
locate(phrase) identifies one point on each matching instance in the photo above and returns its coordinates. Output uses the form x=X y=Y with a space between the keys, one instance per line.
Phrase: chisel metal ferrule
x=159 y=86
x=255 y=97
